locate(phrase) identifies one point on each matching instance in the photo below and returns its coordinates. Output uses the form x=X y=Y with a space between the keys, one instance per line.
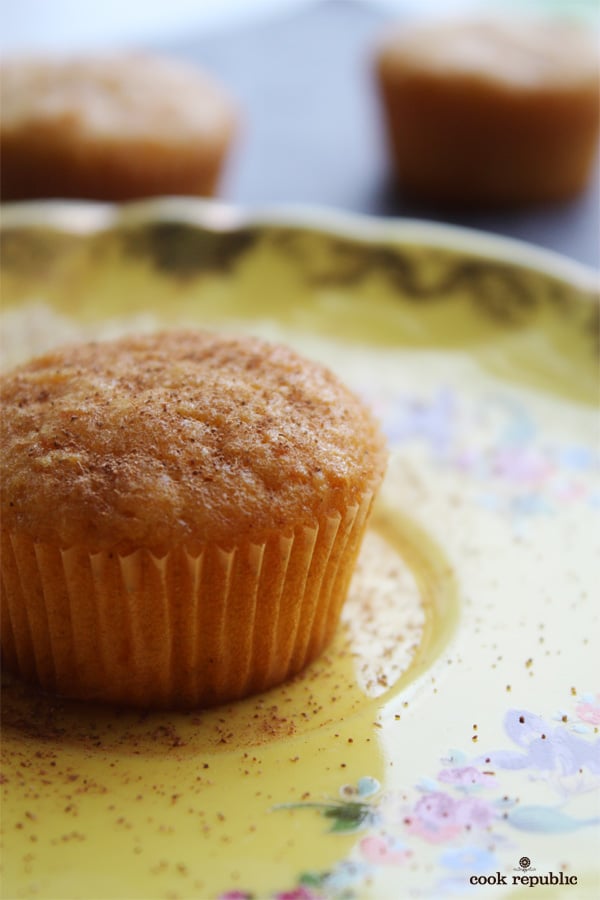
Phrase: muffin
x=111 y=128
x=181 y=514
x=491 y=113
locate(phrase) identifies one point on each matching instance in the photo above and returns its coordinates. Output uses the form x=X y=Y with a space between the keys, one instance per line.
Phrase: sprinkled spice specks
x=123 y=746
x=336 y=784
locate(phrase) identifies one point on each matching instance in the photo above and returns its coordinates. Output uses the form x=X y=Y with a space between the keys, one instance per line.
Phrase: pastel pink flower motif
x=521 y=466
x=589 y=712
x=474 y=813
x=433 y=818
x=299 y=893
x=235 y=895
x=465 y=777
x=384 y=851
x=569 y=489
x=439 y=817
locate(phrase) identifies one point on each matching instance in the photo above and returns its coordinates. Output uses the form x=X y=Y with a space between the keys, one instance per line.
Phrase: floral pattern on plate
x=481 y=360
x=467 y=809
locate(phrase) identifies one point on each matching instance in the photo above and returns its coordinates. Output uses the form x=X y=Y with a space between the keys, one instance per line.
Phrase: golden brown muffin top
x=520 y=53
x=179 y=437
x=115 y=98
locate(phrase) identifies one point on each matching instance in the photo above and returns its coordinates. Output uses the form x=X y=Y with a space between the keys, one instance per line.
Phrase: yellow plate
x=446 y=744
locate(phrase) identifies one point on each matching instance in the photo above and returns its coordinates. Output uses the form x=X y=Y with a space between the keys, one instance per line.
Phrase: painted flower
x=365 y=787
x=544 y=747
x=345 y=876
x=470 y=859
x=589 y=710
x=474 y=813
x=520 y=466
x=465 y=777
x=548 y=819
x=439 y=817
x=236 y=895
x=577 y=457
x=450 y=808
x=299 y=893
x=529 y=504
x=430 y=421
x=384 y=850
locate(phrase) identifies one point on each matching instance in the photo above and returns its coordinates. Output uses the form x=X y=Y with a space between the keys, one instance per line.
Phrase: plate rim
x=88 y=217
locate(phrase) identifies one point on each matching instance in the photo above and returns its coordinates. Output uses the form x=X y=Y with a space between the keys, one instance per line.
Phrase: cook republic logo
x=525 y=865
x=523 y=877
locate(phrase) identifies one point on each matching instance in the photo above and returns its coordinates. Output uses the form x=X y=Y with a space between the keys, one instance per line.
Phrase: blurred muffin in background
x=111 y=128
x=491 y=113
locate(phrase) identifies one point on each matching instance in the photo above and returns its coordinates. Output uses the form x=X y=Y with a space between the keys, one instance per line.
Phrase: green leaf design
x=312 y=879
x=347 y=816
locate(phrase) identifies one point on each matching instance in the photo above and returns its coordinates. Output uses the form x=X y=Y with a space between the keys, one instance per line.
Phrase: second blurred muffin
x=492 y=112
x=111 y=128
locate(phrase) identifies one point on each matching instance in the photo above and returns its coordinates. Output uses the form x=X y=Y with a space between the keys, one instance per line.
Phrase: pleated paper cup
x=180 y=630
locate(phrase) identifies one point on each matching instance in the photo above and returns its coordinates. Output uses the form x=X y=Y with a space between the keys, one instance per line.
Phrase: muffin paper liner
x=182 y=630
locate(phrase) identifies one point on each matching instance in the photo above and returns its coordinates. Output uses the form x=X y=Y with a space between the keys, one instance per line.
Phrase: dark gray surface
x=313 y=133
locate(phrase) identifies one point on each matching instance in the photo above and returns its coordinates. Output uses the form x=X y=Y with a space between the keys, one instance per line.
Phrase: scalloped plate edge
x=87 y=217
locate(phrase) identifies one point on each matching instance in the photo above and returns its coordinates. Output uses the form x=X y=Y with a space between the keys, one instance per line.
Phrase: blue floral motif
x=469 y=858
x=544 y=747
x=346 y=875
x=547 y=819
x=367 y=786
x=522 y=474
x=431 y=421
